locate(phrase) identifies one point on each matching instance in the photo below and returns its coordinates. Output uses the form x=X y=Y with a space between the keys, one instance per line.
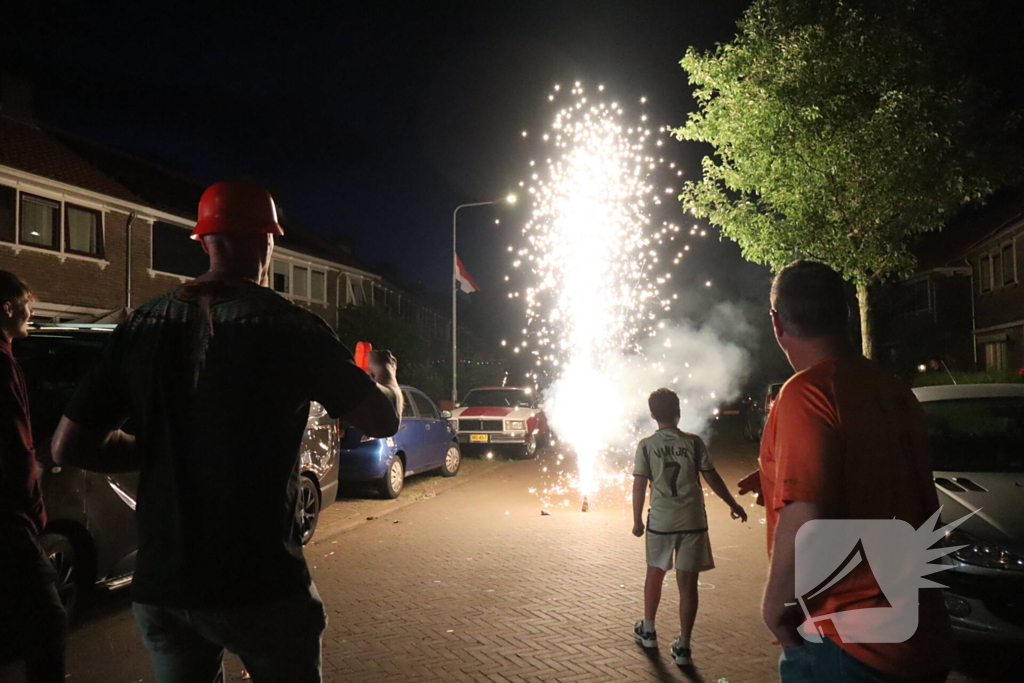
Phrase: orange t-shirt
x=848 y=436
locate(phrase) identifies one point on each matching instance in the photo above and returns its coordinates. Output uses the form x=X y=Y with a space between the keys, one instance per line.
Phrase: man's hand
x=638 y=529
x=752 y=484
x=383 y=366
x=738 y=512
x=783 y=622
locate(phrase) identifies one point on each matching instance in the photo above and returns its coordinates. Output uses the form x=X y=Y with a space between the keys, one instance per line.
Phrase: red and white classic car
x=491 y=417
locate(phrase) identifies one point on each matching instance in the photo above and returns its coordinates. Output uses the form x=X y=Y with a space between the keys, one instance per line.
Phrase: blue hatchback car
x=425 y=441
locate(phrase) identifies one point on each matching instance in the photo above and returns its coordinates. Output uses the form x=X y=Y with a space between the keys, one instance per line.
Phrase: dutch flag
x=463 y=282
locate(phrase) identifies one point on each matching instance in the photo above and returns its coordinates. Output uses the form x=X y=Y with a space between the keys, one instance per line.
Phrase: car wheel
x=309 y=509
x=529 y=448
x=394 y=478
x=65 y=563
x=452 y=461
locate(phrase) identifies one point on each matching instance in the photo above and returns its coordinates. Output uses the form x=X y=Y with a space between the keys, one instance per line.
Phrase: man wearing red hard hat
x=217 y=377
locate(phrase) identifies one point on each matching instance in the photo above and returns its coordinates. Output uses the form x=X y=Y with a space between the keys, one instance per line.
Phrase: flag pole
x=511 y=199
x=455 y=310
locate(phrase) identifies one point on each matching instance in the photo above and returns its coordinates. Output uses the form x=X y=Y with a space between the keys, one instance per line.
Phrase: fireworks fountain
x=595 y=261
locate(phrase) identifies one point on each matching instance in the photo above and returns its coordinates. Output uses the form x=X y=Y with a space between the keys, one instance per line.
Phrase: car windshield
x=977 y=434
x=505 y=398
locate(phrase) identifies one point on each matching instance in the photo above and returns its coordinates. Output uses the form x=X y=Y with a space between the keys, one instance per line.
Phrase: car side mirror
x=446 y=414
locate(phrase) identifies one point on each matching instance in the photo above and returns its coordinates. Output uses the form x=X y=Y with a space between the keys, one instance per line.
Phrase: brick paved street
x=465 y=580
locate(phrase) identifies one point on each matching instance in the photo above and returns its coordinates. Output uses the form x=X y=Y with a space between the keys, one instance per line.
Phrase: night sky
x=374 y=120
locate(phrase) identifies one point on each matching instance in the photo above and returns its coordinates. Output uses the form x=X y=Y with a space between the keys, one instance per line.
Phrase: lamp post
x=511 y=199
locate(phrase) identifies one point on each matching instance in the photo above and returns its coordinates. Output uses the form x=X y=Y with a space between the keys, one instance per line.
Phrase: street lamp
x=511 y=199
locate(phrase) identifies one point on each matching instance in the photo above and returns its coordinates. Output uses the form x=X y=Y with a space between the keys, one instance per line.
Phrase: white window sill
x=154 y=273
x=63 y=256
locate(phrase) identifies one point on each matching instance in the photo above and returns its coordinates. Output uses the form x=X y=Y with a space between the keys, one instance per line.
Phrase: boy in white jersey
x=677 y=525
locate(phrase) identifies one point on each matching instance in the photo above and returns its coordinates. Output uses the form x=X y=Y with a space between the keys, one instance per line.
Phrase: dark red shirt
x=21 y=498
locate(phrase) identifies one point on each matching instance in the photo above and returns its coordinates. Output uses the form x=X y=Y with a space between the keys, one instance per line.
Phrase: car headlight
x=982 y=553
x=514 y=425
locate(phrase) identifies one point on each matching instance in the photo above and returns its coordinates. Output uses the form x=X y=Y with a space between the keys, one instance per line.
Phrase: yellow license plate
x=481 y=438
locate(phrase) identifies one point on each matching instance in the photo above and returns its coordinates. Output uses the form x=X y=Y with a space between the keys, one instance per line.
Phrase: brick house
x=965 y=303
x=94 y=232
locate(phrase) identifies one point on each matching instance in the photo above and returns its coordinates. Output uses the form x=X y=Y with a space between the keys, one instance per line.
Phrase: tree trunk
x=867 y=330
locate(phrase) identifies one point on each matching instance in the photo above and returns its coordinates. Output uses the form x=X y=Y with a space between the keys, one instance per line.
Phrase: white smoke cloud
x=705 y=364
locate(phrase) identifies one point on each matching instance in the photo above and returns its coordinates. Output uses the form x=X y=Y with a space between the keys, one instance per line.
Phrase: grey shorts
x=687 y=551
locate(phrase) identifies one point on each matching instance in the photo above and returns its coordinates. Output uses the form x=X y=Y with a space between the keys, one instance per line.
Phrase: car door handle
x=404 y=427
x=428 y=426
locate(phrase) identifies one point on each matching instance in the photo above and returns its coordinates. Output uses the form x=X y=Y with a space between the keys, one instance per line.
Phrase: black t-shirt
x=217 y=382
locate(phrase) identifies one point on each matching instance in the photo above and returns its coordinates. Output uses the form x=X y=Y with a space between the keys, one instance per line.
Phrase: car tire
x=528 y=451
x=393 y=481
x=308 y=513
x=65 y=560
x=452 y=461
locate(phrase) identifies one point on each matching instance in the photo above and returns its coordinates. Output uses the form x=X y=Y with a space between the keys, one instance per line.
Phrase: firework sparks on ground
x=596 y=266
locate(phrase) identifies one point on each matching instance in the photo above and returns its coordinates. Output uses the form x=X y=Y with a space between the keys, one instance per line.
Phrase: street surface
x=464 y=579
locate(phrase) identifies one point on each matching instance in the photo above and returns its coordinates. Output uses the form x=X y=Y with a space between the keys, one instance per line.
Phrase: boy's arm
x=639 y=495
x=714 y=480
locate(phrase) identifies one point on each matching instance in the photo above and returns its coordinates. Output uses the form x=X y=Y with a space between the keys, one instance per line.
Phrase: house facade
x=95 y=232
x=965 y=304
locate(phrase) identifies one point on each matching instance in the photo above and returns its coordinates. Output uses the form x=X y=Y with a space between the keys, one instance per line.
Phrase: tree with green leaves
x=841 y=131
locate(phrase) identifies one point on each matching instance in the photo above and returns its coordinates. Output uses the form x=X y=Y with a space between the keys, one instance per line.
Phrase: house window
x=300 y=281
x=282 y=277
x=8 y=197
x=985 y=273
x=1009 y=264
x=318 y=285
x=40 y=222
x=918 y=297
x=83 y=231
x=175 y=252
x=996 y=355
x=358 y=292
x=997 y=270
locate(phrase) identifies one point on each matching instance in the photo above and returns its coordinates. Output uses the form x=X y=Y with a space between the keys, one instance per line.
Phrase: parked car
x=734 y=413
x=425 y=441
x=977 y=442
x=492 y=417
x=90 y=535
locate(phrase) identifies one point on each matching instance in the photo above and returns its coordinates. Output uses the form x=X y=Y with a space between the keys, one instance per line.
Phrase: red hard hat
x=236 y=207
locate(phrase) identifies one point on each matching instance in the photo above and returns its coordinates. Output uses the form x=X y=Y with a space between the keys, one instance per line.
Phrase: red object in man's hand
x=362 y=356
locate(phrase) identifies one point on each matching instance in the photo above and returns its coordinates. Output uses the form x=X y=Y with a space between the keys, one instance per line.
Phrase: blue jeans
x=278 y=641
x=826 y=662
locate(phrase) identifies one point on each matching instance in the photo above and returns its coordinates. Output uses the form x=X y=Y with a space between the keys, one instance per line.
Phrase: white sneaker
x=682 y=655
x=645 y=638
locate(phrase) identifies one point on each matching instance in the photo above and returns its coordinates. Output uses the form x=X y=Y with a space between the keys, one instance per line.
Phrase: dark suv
x=90 y=536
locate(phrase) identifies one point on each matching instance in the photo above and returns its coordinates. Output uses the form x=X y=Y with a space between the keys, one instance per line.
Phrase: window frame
x=322 y=273
x=1009 y=249
x=15 y=213
x=22 y=195
x=287 y=275
x=100 y=236
x=985 y=286
x=297 y=267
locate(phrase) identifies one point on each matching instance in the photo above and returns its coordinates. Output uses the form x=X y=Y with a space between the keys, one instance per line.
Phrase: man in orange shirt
x=844 y=440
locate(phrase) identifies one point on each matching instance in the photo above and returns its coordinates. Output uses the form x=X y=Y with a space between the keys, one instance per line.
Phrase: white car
x=977 y=441
x=493 y=417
